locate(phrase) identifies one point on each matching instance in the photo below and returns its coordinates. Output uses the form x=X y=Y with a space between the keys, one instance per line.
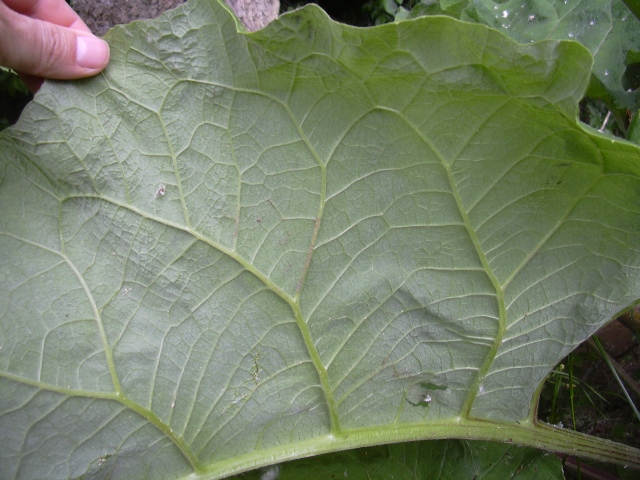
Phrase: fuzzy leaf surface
x=233 y=249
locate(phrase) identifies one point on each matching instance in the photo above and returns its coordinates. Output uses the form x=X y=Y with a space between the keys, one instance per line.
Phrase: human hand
x=46 y=39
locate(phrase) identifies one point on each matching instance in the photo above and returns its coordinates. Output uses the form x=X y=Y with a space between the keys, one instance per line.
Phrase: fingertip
x=91 y=52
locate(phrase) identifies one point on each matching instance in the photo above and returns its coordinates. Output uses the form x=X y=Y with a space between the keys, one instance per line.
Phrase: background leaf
x=234 y=249
x=443 y=459
x=606 y=27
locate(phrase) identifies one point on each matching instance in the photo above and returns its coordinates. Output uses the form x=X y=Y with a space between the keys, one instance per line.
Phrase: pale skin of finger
x=57 y=12
x=46 y=38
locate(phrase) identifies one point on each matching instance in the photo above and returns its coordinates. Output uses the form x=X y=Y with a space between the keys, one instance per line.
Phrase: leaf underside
x=231 y=249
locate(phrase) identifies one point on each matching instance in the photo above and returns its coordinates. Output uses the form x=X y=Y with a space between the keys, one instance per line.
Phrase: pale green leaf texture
x=233 y=249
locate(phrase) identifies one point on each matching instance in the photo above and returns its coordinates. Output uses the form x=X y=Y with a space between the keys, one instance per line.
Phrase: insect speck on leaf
x=161 y=190
x=238 y=399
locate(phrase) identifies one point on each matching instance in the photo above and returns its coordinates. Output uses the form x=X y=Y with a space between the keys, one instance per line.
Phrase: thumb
x=42 y=49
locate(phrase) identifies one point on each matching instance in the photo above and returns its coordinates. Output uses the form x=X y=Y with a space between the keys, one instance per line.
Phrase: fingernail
x=91 y=52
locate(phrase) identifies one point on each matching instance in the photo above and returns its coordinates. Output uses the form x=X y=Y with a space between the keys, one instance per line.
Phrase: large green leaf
x=235 y=249
x=443 y=459
x=606 y=27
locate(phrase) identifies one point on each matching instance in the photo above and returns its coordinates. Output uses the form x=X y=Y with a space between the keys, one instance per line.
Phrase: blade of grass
x=554 y=398
x=614 y=372
x=571 y=390
x=573 y=411
x=628 y=379
x=584 y=386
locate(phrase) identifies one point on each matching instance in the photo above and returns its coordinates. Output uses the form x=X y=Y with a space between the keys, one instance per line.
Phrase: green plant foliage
x=13 y=97
x=232 y=249
x=444 y=459
x=607 y=28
